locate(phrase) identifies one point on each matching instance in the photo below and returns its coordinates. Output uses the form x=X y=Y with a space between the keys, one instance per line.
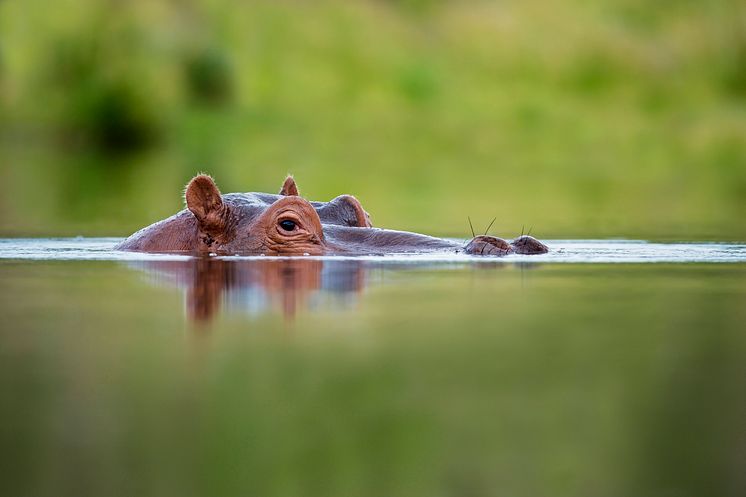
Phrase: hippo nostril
x=529 y=245
x=488 y=245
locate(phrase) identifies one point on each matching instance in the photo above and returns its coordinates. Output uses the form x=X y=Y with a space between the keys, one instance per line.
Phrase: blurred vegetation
x=608 y=118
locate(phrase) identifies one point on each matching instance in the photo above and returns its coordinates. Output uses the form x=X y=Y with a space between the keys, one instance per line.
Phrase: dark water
x=604 y=368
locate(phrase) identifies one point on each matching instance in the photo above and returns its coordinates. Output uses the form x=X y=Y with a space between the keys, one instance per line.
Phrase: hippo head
x=265 y=223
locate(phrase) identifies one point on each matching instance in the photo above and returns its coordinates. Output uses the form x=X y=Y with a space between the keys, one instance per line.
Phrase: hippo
x=288 y=224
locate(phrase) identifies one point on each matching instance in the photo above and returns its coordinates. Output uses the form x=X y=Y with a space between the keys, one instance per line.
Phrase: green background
x=613 y=118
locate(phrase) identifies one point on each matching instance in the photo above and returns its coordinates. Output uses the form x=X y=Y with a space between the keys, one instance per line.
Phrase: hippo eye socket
x=287 y=224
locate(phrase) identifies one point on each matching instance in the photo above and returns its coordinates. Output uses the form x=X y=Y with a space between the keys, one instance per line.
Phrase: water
x=603 y=368
x=562 y=251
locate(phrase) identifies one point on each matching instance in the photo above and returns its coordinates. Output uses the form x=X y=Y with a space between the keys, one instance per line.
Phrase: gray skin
x=246 y=223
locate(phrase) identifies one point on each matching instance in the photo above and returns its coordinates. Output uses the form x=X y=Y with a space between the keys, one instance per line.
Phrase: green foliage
x=617 y=118
x=208 y=77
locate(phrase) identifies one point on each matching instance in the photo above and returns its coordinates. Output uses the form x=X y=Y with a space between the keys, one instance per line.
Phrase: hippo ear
x=204 y=201
x=289 y=187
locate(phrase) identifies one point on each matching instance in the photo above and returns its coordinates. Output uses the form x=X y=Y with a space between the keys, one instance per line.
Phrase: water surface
x=562 y=251
x=603 y=368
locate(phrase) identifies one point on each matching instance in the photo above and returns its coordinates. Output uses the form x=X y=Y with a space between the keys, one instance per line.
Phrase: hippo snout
x=528 y=245
x=488 y=245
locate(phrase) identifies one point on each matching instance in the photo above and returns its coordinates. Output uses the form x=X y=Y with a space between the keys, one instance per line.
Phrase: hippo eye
x=287 y=225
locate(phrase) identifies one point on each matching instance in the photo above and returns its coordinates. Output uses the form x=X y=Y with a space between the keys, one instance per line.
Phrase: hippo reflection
x=259 y=285
x=287 y=224
x=288 y=286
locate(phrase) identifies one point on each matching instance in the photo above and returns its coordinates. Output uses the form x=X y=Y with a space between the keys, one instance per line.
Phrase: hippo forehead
x=340 y=211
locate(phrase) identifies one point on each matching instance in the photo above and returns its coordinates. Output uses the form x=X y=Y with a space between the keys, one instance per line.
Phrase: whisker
x=471 y=226
x=490 y=226
x=529 y=230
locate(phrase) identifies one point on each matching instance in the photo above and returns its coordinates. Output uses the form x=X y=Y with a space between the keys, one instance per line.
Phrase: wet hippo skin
x=287 y=224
